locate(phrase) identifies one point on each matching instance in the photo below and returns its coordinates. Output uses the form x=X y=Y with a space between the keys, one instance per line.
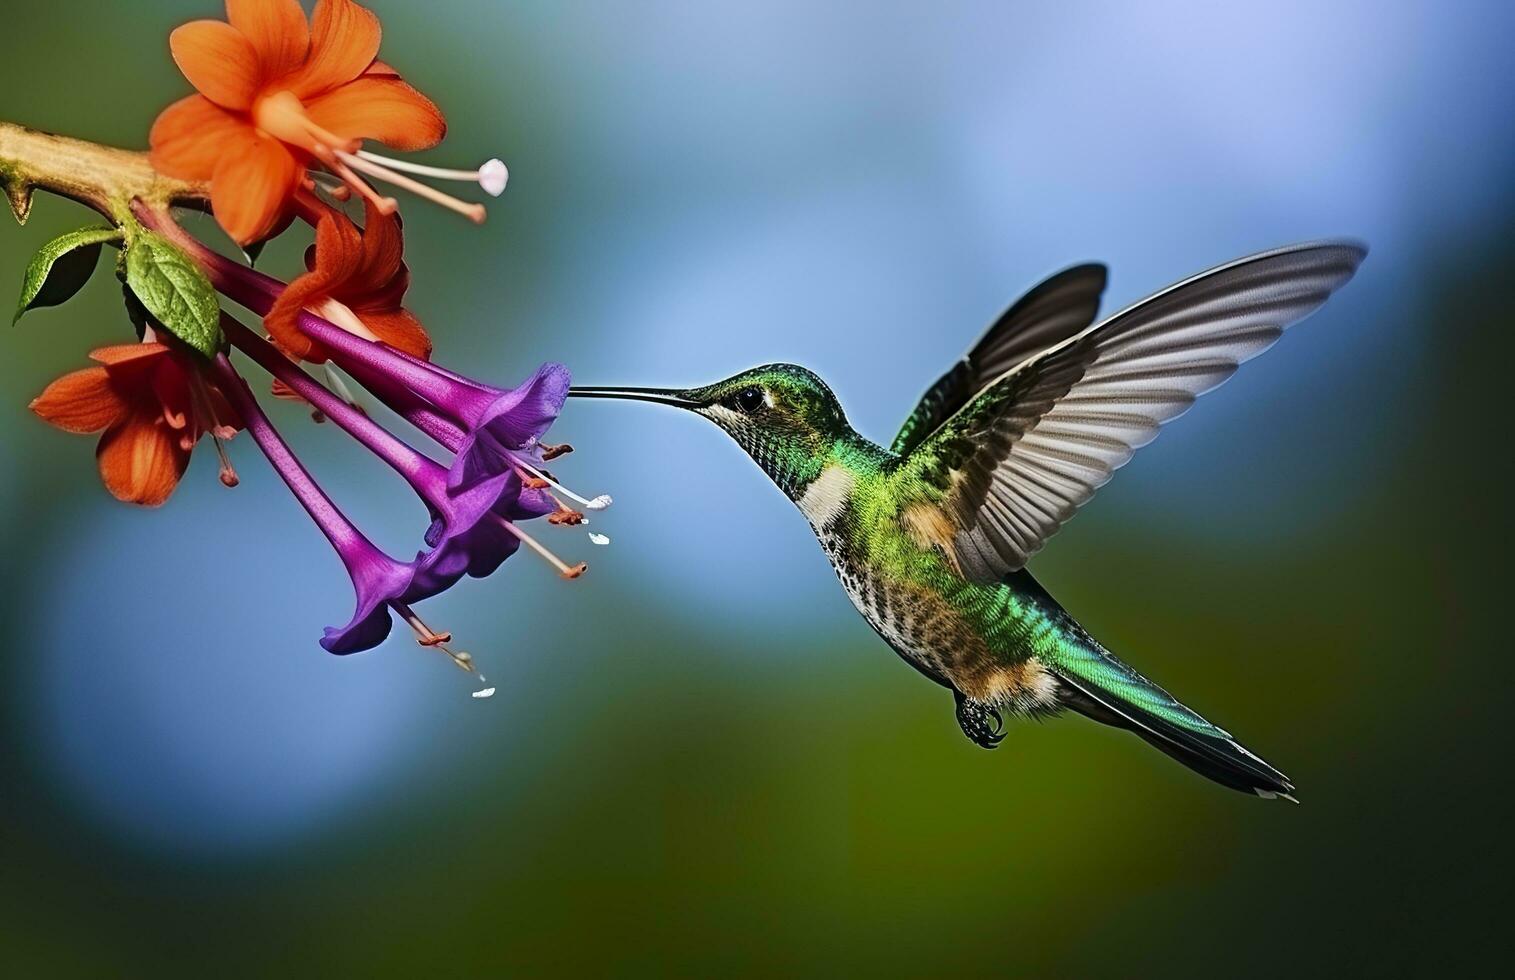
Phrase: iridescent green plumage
x=930 y=538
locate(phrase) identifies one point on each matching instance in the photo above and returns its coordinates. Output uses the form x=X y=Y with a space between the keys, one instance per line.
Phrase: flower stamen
x=492 y=175
x=473 y=212
x=227 y=474
x=334 y=160
x=564 y=515
x=327 y=184
x=564 y=569
x=205 y=408
x=598 y=503
x=428 y=637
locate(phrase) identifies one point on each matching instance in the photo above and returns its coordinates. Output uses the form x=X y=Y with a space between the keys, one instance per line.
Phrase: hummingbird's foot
x=981 y=723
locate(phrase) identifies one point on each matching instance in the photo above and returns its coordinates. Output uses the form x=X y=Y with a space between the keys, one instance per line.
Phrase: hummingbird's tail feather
x=1100 y=686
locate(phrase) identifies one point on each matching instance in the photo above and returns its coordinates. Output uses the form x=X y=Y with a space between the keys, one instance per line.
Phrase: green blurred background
x=701 y=761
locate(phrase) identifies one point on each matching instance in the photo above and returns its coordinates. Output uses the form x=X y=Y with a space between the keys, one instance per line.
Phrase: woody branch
x=104 y=178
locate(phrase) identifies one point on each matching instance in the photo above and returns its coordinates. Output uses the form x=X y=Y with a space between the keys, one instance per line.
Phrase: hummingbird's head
x=784 y=416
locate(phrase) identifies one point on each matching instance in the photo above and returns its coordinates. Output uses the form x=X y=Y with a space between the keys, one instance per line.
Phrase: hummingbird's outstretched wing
x=1015 y=463
x=1057 y=308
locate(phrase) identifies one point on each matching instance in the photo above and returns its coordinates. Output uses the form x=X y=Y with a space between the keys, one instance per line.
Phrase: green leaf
x=174 y=290
x=61 y=266
x=135 y=311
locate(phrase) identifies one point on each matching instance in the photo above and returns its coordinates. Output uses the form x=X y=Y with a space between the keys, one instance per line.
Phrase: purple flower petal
x=465 y=537
x=509 y=427
x=378 y=580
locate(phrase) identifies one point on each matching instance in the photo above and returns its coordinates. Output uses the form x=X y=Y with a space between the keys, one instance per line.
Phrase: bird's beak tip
x=659 y=396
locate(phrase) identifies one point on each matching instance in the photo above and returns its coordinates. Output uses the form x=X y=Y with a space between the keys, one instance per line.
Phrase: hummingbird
x=930 y=537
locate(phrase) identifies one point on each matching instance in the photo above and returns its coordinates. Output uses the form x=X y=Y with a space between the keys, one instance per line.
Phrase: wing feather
x=1054 y=310
x=1015 y=463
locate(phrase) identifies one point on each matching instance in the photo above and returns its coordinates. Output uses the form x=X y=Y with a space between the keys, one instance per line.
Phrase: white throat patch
x=826 y=495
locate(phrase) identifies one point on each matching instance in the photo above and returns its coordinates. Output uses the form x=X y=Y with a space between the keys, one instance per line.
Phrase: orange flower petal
x=344 y=40
x=252 y=188
x=281 y=323
x=277 y=31
x=124 y=353
x=140 y=461
x=338 y=255
x=381 y=69
x=190 y=136
x=383 y=109
x=338 y=247
x=401 y=330
x=218 y=61
x=283 y=331
x=82 y=401
x=383 y=251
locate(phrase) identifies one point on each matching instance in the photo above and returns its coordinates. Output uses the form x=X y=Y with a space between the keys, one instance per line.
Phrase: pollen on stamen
x=436 y=640
x=492 y=174
x=227 y=474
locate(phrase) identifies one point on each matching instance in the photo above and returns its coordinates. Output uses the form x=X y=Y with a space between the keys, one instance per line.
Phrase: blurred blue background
x=700 y=760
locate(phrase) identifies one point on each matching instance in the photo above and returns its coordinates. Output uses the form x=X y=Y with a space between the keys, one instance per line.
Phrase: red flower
x=276 y=97
x=153 y=405
x=357 y=279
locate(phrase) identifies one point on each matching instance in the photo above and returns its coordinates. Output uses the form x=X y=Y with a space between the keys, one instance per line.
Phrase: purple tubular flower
x=466 y=536
x=377 y=579
x=510 y=428
x=476 y=502
x=490 y=430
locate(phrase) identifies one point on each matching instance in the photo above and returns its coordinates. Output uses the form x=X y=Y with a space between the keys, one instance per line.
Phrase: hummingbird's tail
x=1099 y=685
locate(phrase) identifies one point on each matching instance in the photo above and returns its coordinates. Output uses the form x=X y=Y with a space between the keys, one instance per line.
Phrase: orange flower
x=153 y=404
x=277 y=97
x=357 y=279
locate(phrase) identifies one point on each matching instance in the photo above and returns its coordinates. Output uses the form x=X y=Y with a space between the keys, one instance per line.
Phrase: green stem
x=101 y=177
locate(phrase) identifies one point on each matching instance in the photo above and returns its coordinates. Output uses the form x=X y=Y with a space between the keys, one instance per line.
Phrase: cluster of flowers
x=276 y=130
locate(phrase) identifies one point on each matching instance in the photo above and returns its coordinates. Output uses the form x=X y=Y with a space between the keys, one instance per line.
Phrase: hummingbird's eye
x=749 y=400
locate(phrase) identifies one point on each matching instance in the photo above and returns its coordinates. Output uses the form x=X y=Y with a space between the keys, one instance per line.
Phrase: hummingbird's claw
x=983 y=725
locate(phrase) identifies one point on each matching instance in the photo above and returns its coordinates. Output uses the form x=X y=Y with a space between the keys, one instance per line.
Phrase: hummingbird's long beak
x=658 y=396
